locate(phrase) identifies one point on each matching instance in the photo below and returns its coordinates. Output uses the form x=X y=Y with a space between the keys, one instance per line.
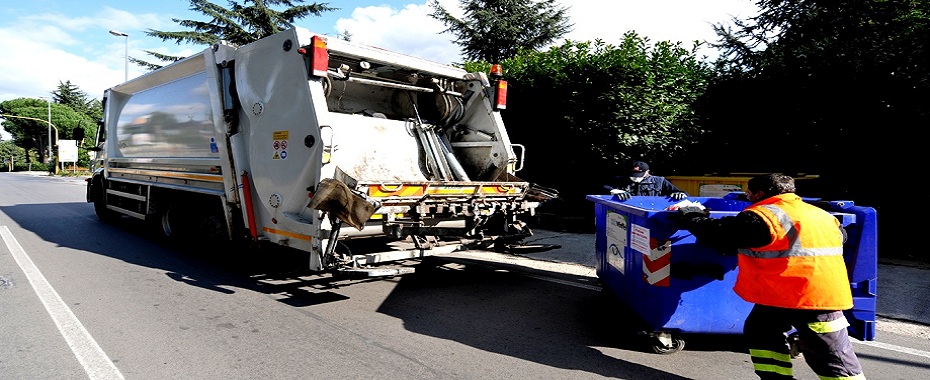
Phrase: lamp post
x=126 y=50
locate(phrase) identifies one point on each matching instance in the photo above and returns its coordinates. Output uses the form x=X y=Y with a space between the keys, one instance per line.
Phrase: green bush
x=35 y=166
x=592 y=107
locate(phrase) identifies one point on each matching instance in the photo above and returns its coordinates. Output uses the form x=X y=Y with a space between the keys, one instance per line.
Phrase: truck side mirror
x=77 y=133
x=101 y=131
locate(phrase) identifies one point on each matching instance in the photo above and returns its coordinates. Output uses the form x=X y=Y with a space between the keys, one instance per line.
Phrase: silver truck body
x=261 y=142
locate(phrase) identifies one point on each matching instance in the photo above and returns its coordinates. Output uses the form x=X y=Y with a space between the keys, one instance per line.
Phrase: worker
x=641 y=182
x=791 y=267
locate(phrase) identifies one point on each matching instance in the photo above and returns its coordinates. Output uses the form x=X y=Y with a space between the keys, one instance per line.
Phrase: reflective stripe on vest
x=794 y=245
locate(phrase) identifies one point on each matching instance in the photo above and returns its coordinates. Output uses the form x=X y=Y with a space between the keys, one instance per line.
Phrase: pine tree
x=72 y=96
x=238 y=25
x=493 y=30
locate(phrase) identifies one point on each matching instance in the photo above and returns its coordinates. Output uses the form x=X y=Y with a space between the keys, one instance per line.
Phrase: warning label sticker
x=280 y=145
x=639 y=239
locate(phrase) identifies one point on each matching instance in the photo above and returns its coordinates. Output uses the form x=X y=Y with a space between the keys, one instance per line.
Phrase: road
x=82 y=299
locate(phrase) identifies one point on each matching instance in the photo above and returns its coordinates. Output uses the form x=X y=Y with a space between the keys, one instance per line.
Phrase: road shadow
x=529 y=318
x=504 y=311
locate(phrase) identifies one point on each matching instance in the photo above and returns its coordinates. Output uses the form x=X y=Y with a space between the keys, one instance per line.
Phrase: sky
x=47 y=42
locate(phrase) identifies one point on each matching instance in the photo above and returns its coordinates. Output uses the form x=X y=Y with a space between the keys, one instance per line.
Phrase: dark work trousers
x=824 y=342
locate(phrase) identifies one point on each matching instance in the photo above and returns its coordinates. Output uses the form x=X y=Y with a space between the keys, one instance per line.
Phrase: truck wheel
x=103 y=213
x=213 y=227
x=178 y=223
x=173 y=224
x=100 y=207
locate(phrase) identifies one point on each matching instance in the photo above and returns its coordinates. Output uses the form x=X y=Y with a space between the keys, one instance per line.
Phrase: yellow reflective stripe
x=286 y=233
x=856 y=377
x=784 y=371
x=829 y=327
x=766 y=354
x=170 y=174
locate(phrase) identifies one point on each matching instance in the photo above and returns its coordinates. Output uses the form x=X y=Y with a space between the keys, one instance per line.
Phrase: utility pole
x=125 y=49
x=48 y=100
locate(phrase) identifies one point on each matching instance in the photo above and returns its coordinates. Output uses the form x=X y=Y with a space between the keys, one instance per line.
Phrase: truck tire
x=174 y=224
x=192 y=223
x=100 y=204
x=103 y=213
x=213 y=228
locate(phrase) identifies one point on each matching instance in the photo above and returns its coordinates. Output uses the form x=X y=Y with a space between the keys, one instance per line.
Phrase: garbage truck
x=311 y=142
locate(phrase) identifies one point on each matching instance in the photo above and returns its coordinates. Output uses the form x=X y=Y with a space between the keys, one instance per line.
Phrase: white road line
x=891 y=347
x=96 y=363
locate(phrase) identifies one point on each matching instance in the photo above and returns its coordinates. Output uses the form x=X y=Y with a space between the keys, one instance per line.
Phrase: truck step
x=372 y=272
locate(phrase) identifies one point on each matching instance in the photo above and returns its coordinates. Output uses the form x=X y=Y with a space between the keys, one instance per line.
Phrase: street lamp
x=126 y=50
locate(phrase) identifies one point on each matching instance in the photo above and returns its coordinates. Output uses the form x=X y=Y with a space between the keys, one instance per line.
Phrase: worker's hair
x=771 y=184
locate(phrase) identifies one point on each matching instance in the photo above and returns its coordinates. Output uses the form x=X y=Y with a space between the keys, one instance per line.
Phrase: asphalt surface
x=903 y=290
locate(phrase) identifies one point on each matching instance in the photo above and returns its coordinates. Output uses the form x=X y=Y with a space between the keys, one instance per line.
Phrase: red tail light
x=500 y=96
x=319 y=56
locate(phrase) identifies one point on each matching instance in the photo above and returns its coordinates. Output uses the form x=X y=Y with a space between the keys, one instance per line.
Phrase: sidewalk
x=903 y=291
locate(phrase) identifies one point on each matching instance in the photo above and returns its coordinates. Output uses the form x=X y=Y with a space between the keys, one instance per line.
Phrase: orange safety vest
x=803 y=267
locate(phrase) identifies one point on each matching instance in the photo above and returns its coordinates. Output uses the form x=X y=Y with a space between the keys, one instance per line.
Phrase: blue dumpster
x=677 y=286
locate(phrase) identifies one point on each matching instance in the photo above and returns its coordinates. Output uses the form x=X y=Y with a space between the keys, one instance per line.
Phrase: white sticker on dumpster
x=719 y=190
x=616 y=239
x=639 y=239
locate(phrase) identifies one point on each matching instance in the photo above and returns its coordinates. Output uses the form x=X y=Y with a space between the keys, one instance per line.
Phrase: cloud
x=42 y=50
x=658 y=20
x=410 y=30
x=36 y=63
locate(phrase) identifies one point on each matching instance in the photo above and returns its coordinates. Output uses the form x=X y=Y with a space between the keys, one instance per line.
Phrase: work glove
x=678 y=195
x=694 y=210
x=621 y=194
x=688 y=213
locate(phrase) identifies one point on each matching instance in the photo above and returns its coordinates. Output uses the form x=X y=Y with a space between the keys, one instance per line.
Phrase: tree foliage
x=818 y=35
x=596 y=106
x=241 y=23
x=27 y=123
x=492 y=30
x=9 y=151
x=818 y=74
x=72 y=96
x=824 y=86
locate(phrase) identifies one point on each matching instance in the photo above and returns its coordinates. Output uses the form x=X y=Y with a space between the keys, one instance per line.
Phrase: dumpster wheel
x=667 y=344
